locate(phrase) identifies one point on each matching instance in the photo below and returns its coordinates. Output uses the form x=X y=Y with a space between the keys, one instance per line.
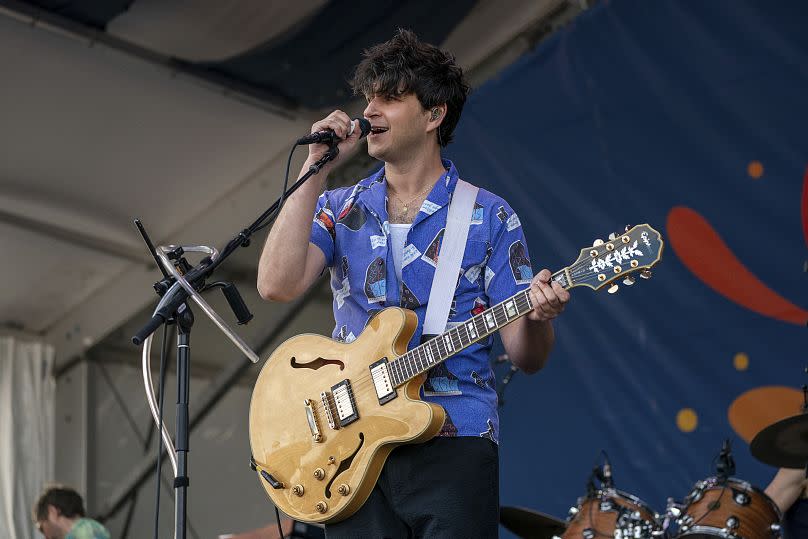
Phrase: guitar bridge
x=380 y=374
x=311 y=418
x=328 y=406
x=345 y=403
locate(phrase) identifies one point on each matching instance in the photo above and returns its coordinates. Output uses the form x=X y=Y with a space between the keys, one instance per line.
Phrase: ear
x=435 y=116
x=53 y=513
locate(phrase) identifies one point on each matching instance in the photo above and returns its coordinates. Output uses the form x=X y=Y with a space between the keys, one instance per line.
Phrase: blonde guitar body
x=325 y=415
x=325 y=474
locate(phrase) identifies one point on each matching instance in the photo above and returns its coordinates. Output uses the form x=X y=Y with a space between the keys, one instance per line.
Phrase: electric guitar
x=325 y=415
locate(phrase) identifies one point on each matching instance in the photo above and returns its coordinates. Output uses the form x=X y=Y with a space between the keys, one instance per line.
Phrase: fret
x=455 y=337
x=490 y=322
x=478 y=327
x=437 y=351
x=499 y=315
x=471 y=331
x=396 y=373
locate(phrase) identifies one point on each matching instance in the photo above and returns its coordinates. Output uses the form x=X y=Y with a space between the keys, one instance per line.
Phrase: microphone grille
x=364 y=127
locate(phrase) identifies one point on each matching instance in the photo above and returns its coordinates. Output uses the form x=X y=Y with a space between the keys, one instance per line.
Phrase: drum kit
x=720 y=506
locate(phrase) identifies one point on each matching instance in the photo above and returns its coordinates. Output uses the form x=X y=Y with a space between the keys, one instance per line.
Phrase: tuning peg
x=645 y=274
x=613 y=288
x=613 y=236
x=628 y=227
x=598 y=242
x=629 y=280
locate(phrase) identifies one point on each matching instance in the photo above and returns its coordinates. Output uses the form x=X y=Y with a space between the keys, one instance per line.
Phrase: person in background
x=59 y=514
x=789 y=490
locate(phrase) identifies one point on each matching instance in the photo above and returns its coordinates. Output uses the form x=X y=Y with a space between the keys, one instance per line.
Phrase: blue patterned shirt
x=351 y=228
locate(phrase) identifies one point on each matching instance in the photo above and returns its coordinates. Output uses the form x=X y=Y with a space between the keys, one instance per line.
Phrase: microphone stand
x=182 y=282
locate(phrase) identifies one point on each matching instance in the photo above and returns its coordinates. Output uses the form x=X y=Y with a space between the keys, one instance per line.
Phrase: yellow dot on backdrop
x=687 y=420
x=755 y=169
x=741 y=361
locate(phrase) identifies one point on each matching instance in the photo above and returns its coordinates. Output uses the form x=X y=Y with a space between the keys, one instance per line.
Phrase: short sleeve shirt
x=351 y=228
x=87 y=528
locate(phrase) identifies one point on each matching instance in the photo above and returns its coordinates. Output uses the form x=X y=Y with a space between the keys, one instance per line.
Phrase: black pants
x=446 y=487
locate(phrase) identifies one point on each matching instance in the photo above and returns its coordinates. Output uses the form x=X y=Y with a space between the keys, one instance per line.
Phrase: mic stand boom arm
x=176 y=288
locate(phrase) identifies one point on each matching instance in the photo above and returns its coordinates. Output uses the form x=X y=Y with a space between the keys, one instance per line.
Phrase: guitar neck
x=434 y=351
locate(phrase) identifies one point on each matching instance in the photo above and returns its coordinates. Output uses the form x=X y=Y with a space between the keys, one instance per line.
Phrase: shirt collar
x=373 y=192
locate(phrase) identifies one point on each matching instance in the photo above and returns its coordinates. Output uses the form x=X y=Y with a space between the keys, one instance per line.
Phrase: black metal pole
x=185 y=320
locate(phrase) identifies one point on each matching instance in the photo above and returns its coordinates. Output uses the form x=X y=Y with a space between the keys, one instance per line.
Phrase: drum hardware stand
x=181 y=282
x=725 y=467
x=502 y=358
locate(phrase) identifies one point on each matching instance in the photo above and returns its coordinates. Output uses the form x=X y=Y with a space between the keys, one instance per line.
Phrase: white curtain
x=27 y=392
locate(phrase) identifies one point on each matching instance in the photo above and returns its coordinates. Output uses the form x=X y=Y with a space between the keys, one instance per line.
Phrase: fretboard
x=422 y=358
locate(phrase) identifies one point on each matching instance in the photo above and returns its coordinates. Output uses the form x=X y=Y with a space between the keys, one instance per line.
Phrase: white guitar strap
x=450 y=257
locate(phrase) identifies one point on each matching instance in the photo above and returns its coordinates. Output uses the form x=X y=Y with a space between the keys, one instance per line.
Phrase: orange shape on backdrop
x=758 y=408
x=741 y=361
x=704 y=253
x=755 y=169
x=687 y=420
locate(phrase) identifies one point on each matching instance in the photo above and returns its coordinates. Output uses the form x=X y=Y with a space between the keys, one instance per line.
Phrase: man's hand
x=549 y=299
x=340 y=124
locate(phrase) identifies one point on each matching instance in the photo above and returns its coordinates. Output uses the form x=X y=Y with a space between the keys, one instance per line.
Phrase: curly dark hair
x=66 y=500
x=406 y=65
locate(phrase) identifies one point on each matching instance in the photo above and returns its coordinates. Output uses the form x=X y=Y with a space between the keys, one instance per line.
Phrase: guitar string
x=365 y=380
x=577 y=269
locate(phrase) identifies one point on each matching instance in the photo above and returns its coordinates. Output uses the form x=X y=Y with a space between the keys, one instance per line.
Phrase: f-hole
x=344 y=465
x=315 y=364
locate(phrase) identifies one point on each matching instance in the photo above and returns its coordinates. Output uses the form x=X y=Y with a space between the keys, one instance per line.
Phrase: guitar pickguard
x=315 y=364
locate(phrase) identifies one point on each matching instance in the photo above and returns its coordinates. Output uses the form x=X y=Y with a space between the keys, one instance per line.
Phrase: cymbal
x=783 y=444
x=530 y=524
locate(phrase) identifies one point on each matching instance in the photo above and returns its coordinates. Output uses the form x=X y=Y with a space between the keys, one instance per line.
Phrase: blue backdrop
x=689 y=116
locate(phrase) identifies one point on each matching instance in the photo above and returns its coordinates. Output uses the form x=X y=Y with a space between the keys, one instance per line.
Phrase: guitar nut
x=319 y=474
x=298 y=490
x=344 y=489
x=321 y=507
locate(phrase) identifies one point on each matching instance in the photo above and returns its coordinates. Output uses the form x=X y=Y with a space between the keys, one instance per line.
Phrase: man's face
x=398 y=126
x=48 y=527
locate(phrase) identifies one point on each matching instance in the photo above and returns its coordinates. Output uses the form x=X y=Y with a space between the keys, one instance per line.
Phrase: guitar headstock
x=635 y=250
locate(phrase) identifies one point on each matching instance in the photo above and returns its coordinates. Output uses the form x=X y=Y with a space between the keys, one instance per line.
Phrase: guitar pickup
x=380 y=373
x=345 y=403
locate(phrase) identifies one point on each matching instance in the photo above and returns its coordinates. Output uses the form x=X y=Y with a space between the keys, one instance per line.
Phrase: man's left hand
x=549 y=299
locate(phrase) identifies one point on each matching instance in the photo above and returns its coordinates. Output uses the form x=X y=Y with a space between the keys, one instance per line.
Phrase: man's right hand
x=340 y=123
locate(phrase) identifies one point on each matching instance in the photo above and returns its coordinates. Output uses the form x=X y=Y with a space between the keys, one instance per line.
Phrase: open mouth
x=377 y=130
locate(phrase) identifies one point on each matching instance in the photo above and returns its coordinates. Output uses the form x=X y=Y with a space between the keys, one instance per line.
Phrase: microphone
x=329 y=137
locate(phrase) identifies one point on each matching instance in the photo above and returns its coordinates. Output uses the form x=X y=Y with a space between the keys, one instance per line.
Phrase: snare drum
x=732 y=510
x=612 y=513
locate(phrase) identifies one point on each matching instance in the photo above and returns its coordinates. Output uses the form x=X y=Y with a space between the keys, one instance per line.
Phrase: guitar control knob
x=344 y=489
x=645 y=274
x=319 y=474
x=321 y=507
x=298 y=490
